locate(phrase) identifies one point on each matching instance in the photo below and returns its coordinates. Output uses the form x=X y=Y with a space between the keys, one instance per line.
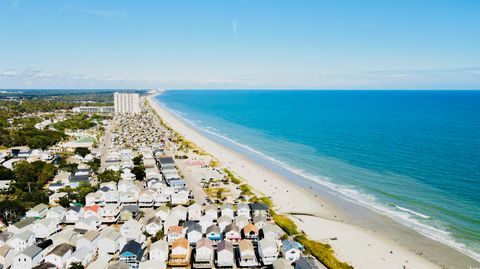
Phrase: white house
x=73 y=214
x=171 y=220
x=241 y=221
x=110 y=213
x=38 y=211
x=194 y=232
x=267 y=250
x=180 y=197
x=7 y=253
x=81 y=255
x=290 y=251
x=204 y=251
x=223 y=221
x=227 y=210
x=146 y=198
x=59 y=255
x=151 y=264
x=162 y=212
x=43 y=228
x=247 y=253
x=159 y=251
x=110 y=242
x=57 y=213
x=90 y=223
x=174 y=233
x=194 y=212
x=211 y=210
x=28 y=258
x=180 y=211
x=225 y=256
x=55 y=197
x=154 y=225
x=205 y=221
x=89 y=240
x=243 y=210
x=131 y=226
x=21 y=241
x=21 y=226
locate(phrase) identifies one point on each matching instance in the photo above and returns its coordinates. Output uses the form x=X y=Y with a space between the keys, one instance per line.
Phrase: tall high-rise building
x=127 y=102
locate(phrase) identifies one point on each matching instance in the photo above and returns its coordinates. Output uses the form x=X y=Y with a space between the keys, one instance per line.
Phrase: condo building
x=127 y=102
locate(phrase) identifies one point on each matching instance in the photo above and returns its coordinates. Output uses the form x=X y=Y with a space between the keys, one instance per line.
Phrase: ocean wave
x=412 y=219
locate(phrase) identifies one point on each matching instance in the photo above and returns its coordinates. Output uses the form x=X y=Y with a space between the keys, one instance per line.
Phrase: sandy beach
x=320 y=219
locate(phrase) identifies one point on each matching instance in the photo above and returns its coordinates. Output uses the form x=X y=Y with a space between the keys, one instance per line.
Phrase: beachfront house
x=131 y=254
x=59 y=255
x=227 y=210
x=271 y=231
x=281 y=264
x=290 y=250
x=225 y=255
x=307 y=263
x=268 y=251
x=259 y=221
x=259 y=209
x=243 y=210
x=203 y=254
x=247 y=254
x=159 y=251
x=180 y=255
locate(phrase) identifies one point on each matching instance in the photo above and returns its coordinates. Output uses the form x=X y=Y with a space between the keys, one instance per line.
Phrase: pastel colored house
x=232 y=233
x=93 y=210
x=181 y=251
x=213 y=233
x=290 y=250
x=174 y=233
x=131 y=254
x=247 y=254
x=250 y=231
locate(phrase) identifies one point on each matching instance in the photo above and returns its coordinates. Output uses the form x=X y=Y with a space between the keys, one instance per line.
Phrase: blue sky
x=322 y=44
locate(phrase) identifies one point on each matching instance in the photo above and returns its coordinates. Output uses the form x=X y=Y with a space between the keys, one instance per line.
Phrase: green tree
x=94 y=164
x=138 y=160
x=76 y=265
x=11 y=211
x=139 y=172
x=109 y=175
x=82 y=151
x=6 y=174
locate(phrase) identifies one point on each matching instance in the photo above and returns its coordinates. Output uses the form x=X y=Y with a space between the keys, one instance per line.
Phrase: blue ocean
x=412 y=155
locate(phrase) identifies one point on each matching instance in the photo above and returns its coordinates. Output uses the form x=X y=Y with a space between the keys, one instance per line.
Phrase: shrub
x=323 y=252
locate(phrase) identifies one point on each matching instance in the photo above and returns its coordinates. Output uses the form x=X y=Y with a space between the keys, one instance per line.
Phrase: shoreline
x=358 y=241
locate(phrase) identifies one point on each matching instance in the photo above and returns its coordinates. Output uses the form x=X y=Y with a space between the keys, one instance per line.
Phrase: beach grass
x=323 y=252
